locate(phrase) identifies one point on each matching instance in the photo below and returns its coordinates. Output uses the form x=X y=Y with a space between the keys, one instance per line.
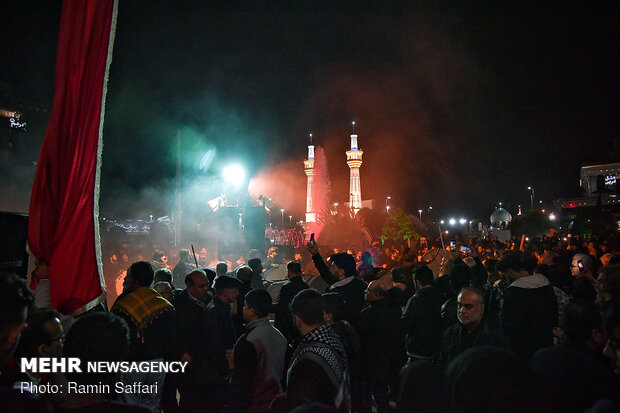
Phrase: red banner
x=63 y=226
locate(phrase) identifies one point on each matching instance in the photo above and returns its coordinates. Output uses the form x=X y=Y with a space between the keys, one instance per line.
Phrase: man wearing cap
x=219 y=340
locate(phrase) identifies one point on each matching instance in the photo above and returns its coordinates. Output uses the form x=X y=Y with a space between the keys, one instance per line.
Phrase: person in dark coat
x=493 y=379
x=473 y=328
x=422 y=388
x=422 y=319
x=244 y=274
x=219 y=339
x=459 y=277
x=257 y=273
x=575 y=371
x=95 y=337
x=190 y=308
x=530 y=310
x=582 y=285
x=184 y=267
x=334 y=311
x=318 y=370
x=15 y=298
x=283 y=317
x=341 y=275
x=379 y=328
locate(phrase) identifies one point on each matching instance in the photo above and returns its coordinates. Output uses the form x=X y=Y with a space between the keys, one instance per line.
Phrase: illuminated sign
x=610 y=180
x=17 y=124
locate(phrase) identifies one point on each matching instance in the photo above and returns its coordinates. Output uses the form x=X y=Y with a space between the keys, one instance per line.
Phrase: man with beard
x=472 y=328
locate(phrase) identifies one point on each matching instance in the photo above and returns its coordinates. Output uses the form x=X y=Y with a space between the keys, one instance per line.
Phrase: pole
x=177 y=209
x=441 y=236
x=194 y=253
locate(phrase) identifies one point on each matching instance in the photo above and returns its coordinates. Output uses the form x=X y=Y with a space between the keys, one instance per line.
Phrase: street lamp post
x=387 y=206
x=531 y=196
x=282 y=211
x=420 y=211
x=290 y=220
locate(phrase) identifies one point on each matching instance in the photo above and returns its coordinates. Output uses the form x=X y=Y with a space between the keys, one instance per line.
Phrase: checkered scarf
x=334 y=354
x=142 y=306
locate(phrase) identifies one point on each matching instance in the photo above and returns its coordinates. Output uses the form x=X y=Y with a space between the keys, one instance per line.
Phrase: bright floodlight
x=462 y=221
x=452 y=221
x=234 y=174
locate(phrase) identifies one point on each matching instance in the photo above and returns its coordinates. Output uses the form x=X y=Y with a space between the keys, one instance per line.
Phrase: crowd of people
x=477 y=326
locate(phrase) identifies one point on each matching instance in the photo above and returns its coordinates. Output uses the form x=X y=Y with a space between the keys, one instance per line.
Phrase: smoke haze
x=456 y=106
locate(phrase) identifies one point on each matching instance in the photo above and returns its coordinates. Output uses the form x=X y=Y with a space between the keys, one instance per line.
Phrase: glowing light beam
x=234 y=174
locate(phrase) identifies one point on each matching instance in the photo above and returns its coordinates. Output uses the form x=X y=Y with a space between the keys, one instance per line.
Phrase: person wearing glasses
x=43 y=337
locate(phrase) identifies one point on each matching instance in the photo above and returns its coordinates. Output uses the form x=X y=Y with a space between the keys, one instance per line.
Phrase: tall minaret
x=354 y=160
x=309 y=169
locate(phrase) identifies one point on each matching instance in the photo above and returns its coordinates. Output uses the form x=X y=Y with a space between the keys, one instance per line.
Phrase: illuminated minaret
x=354 y=160
x=309 y=169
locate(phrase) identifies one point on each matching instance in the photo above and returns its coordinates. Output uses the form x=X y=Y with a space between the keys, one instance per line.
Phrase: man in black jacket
x=422 y=317
x=575 y=371
x=190 y=308
x=257 y=273
x=530 y=309
x=341 y=275
x=318 y=370
x=473 y=329
x=184 y=267
x=381 y=344
x=219 y=341
x=283 y=317
x=15 y=298
x=244 y=274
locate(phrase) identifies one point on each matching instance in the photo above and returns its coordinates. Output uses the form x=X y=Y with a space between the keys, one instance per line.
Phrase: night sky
x=457 y=106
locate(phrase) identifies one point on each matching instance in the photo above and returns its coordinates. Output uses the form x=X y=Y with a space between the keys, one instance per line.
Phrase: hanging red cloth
x=63 y=228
